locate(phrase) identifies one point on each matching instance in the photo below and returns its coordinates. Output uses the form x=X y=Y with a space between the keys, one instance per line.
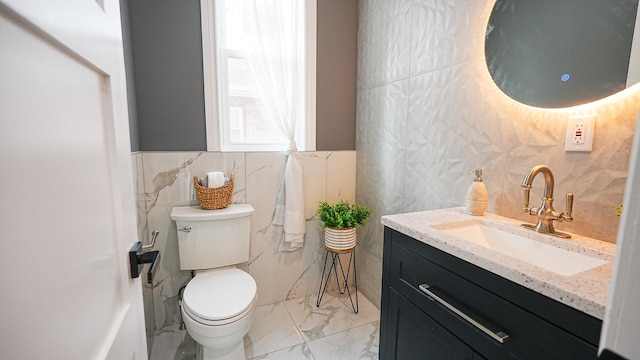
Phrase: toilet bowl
x=218 y=303
x=217 y=309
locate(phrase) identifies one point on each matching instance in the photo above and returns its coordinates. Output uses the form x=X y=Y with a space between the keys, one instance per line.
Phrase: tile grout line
x=292 y=321
x=305 y=343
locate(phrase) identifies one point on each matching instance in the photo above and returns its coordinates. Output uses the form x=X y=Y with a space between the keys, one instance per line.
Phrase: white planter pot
x=340 y=239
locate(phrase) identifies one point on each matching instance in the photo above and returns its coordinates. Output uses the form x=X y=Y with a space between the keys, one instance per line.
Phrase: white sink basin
x=557 y=260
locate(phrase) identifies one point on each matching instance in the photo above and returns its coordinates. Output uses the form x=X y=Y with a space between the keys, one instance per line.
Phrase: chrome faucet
x=546 y=214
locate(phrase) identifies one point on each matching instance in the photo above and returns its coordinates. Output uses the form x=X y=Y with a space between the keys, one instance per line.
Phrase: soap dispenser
x=477 y=195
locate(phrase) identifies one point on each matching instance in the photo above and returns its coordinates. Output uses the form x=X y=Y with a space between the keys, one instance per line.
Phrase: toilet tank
x=213 y=238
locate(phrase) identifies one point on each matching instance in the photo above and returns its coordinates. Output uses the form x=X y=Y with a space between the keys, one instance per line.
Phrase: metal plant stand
x=335 y=263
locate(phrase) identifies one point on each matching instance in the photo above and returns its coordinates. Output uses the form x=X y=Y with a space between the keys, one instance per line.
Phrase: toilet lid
x=220 y=294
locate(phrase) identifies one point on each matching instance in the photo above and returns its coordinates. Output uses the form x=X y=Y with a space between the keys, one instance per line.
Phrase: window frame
x=215 y=112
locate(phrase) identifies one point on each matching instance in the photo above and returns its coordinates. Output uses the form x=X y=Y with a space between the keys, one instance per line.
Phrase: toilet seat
x=220 y=296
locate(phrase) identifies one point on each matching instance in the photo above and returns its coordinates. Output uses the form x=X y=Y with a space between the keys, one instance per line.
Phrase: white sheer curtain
x=275 y=50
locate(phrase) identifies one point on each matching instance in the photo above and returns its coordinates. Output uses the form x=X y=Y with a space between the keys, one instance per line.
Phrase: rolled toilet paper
x=215 y=179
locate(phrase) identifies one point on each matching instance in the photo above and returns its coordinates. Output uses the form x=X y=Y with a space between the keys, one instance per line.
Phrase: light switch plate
x=580 y=131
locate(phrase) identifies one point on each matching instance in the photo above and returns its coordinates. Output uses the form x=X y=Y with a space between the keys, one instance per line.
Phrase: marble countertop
x=586 y=291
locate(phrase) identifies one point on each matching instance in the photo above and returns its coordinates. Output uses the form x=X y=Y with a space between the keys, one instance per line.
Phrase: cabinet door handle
x=499 y=336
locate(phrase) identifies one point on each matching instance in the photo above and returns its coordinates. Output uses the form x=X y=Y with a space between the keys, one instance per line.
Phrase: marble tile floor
x=294 y=330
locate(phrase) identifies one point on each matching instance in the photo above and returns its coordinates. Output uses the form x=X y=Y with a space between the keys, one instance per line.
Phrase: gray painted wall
x=169 y=86
x=167 y=59
x=128 y=64
x=336 y=74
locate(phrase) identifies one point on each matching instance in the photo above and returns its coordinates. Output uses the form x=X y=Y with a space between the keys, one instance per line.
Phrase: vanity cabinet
x=437 y=306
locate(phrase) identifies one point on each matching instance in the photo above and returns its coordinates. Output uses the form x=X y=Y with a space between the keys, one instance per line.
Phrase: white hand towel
x=290 y=212
x=215 y=179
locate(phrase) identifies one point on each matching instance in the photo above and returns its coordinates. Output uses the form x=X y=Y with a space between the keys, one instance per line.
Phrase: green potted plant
x=340 y=222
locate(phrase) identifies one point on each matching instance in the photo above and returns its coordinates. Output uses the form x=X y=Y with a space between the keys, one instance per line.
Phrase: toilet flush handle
x=185 y=229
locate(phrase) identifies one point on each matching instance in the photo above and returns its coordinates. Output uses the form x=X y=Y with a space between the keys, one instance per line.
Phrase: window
x=247 y=123
x=236 y=124
x=239 y=117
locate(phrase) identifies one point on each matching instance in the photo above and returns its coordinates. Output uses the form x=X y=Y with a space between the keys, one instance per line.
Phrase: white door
x=67 y=209
x=621 y=326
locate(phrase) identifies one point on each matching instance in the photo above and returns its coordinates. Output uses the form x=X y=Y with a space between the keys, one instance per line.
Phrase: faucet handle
x=567 y=214
x=527 y=192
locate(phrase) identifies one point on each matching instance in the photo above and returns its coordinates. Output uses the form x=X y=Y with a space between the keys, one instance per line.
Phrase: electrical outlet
x=580 y=133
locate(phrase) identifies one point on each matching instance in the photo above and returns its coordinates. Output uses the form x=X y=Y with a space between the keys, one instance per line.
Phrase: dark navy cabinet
x=436 y=306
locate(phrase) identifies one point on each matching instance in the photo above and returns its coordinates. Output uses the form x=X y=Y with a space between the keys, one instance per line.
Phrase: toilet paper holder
x=137 y=259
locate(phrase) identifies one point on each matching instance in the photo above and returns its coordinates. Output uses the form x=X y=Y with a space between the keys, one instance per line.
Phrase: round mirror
x=552 y=53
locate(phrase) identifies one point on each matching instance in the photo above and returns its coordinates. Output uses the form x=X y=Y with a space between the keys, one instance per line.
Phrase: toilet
x=217 y=304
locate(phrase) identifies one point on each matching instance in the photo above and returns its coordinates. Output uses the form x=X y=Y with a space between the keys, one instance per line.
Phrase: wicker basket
x=214 y=198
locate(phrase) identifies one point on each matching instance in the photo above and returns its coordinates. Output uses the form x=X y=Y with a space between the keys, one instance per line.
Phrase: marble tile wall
x=428 y=113
x=164 y=180
x=138 y=181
